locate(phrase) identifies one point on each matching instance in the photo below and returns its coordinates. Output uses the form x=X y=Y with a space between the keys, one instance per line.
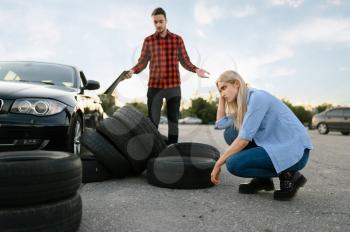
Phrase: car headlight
x=38 y=107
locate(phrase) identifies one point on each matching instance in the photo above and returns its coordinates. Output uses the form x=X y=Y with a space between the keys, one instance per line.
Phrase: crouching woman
x=265 y=139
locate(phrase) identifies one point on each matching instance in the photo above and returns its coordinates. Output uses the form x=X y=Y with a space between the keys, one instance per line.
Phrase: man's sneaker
x=290 y=182
x=256 y=185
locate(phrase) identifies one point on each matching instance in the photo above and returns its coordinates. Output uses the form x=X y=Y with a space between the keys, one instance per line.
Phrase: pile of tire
x=128 y=143
x=121 y=145
x=38 y=191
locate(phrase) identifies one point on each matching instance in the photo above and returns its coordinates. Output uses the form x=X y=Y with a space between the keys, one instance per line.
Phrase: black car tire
x=137 y=123
x=143 y=124
x=93 y=171
x=183 y=165
x=106 y=153
x=322 y=128
x=72 y=134
x=191 y=150
x=180 y=172
x=33 y=177
x=64 y=215
x=126 y=141
x=345 y=133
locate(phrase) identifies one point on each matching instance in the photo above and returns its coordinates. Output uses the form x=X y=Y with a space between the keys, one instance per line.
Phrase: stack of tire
x=122 y=145
x=38 y=191
x=128 y=143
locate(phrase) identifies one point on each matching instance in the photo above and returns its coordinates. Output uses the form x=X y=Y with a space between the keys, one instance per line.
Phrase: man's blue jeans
x=253 y=161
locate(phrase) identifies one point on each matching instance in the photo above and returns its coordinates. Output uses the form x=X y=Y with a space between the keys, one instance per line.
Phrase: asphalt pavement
x=131 y=204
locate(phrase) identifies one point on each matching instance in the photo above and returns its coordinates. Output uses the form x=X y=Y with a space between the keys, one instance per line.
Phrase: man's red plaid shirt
x=164 y=55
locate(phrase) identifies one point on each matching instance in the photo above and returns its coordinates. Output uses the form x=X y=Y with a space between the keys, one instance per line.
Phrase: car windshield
x=52 y=74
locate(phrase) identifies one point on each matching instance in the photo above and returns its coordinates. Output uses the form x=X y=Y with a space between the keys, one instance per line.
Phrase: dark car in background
x=45 y=106
x=336 y=119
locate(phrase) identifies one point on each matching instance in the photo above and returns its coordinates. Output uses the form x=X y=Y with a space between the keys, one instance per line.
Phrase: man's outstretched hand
x=202 y=73
x=129 y=74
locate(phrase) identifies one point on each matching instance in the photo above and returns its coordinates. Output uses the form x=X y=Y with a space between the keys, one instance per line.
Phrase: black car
x=45 y=106
x=336 y=119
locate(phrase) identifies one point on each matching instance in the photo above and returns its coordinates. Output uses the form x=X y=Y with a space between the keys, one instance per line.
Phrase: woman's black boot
x=256 y=185
x=290 y=182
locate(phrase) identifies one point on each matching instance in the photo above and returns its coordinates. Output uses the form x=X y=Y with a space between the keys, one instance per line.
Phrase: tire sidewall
x=319 y=130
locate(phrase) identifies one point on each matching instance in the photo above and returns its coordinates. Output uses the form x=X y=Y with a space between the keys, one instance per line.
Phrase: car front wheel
x=323 y=128
x=75 y=133
x=345 y=133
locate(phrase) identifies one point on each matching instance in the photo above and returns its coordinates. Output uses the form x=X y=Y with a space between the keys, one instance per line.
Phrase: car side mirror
x=92 y=85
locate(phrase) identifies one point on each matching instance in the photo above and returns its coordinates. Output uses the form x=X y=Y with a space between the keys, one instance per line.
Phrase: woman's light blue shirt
x=274 y=127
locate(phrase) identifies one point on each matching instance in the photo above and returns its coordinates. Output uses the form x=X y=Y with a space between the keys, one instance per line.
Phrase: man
x=164 y=50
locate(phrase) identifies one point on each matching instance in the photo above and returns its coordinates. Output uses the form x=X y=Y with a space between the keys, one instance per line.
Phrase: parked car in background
x=336 y=119
x=190 y=120
x=45 y=106
x=163 y=120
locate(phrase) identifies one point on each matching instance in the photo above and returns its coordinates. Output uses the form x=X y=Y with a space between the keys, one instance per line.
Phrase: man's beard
x=161 y=30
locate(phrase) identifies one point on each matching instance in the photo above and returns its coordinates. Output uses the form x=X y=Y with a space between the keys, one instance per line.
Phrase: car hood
x=14 y=90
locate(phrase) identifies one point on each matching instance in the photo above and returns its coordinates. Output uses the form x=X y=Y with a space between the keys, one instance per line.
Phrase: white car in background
x=190 y=120
x=163 y=120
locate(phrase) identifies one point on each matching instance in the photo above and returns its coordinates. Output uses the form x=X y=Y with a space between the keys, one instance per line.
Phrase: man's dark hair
x=159 y=11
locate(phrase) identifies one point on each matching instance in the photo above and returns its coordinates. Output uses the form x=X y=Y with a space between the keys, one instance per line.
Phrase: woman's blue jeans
x=253 y=161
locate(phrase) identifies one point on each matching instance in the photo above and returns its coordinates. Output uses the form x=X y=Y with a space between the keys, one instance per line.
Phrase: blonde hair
x=237 y=108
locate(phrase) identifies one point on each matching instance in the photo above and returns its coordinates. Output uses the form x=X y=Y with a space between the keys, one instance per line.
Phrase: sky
x=296 y=49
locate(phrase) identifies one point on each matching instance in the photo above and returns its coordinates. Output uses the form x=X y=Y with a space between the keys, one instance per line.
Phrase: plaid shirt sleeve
x=183 y=57
x=144 y=58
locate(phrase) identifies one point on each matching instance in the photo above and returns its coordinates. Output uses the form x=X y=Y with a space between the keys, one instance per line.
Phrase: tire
x=191 y=150
x=64 y=215
x=322 y=128
x=33 y=177
x=183 y=166
x=143 y=124
x=345 y=133
x=93 y=171
x=137 y=123
x=106 y=153
x=74 y=134
x=180 y=172
x=127 y=141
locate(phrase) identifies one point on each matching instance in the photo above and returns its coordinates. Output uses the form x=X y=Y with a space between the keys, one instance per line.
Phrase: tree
x=202 y=109
x=302 y=114
x=323 y=107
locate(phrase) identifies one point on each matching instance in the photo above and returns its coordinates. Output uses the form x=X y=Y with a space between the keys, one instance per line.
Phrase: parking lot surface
x=131 y=204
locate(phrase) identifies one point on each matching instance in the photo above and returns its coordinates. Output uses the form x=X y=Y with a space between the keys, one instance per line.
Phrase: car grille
x=1 y=104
